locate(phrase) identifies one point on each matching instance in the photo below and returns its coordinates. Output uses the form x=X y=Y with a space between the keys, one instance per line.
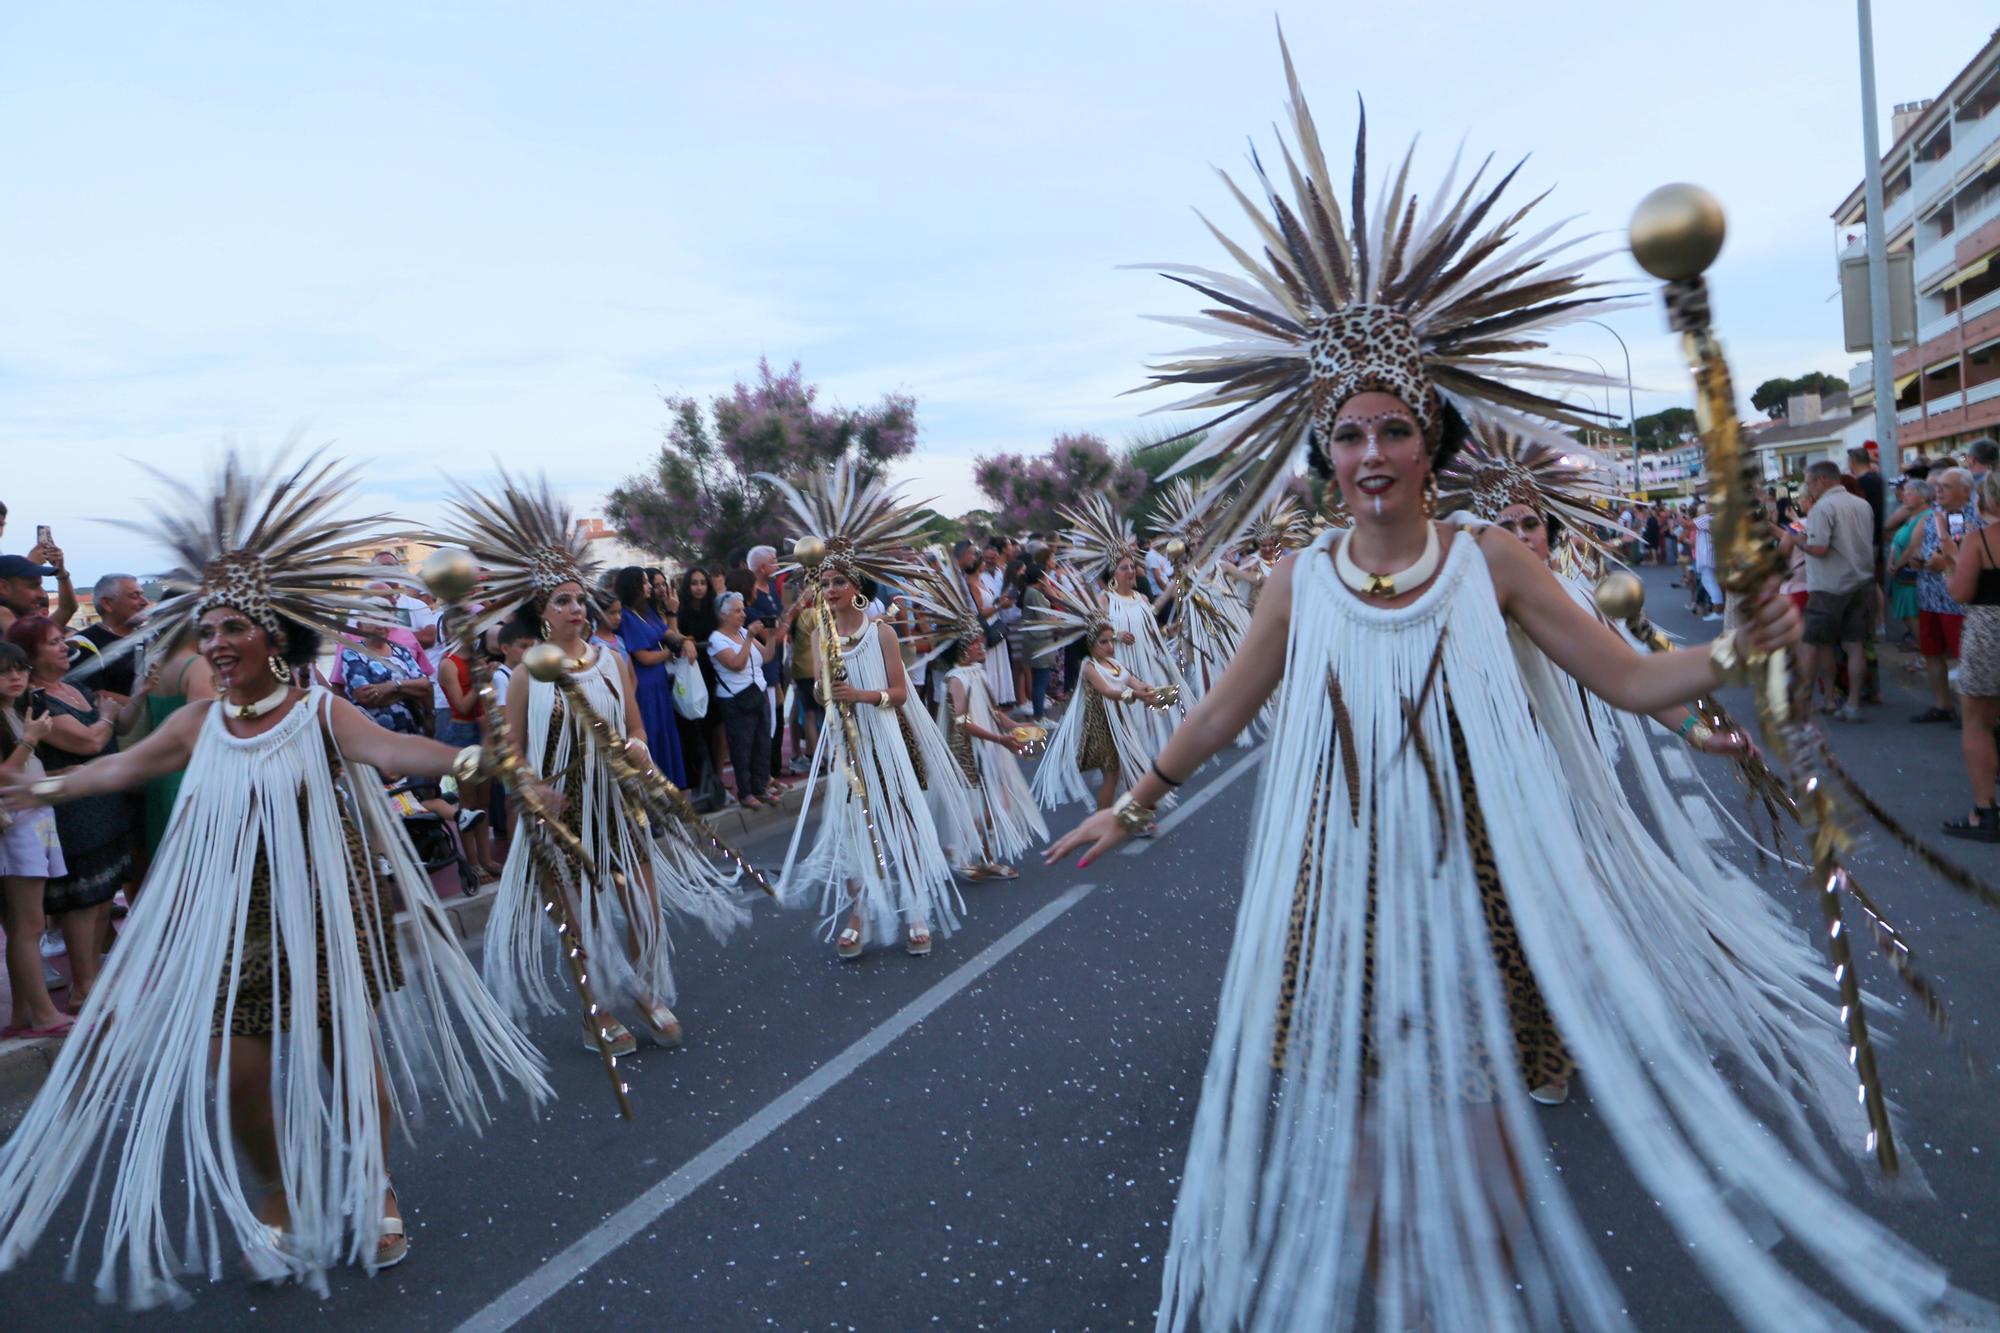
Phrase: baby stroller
x=435 y=837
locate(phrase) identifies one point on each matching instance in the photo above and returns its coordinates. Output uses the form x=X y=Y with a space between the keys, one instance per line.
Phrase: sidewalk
x=25 y=1063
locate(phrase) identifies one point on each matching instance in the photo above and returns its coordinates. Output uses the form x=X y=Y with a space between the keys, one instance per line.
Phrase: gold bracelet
x=1132 y=817
x=1698 y=735
x=1129 y=695
x=466 y=763
x=883 y=702
x=47 y=790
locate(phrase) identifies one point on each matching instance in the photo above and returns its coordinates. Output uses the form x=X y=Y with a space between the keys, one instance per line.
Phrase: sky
x=435 y=237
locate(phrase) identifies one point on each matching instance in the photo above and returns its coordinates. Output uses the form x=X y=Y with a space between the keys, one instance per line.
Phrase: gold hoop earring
x=860 y=602
x=279 y=669
x=1430 y=495
x=548 y=634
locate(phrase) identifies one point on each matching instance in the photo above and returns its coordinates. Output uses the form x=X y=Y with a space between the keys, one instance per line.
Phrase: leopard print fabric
x=263 y=988
x=1367 y=348
x=1539 y=1054
x=1096 y=753
x=960 y=745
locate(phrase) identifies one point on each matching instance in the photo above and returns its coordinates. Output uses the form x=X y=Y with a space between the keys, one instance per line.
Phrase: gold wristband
x=1132 y=817
x=465 y=765
x=882 y=701
x=1129 y=695
x=1698 y=735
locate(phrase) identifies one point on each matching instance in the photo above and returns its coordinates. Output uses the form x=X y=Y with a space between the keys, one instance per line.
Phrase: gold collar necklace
x=1395 y=582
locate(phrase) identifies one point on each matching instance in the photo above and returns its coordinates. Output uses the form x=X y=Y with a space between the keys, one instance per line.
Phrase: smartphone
x=1956 y=522
x=42 y=535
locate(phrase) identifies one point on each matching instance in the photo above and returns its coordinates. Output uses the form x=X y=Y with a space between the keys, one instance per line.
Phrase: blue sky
x=437 y=235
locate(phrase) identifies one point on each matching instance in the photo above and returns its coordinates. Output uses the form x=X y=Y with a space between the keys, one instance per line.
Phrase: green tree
x=1772 y=395
x=1666 y=428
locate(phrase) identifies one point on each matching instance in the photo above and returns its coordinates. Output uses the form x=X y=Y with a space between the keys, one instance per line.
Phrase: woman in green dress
x=181 y=677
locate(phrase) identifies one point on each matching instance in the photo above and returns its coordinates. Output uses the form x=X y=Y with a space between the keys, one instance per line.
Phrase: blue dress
x=640 y=632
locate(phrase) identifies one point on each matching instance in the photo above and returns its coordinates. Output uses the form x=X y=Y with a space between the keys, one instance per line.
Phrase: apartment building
x=1941 y=202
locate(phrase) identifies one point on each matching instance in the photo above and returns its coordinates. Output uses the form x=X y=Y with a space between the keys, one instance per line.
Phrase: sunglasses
x=1517 y=526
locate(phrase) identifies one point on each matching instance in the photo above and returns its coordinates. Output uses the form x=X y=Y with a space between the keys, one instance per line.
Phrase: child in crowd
x=30 y=856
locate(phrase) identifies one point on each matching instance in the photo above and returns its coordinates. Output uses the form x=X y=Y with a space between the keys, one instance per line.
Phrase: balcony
x=1980 y=393
x=1950 y=402
x=1909 y=416
x=1988 y=302
x=1939 y=255
x=1937 y=328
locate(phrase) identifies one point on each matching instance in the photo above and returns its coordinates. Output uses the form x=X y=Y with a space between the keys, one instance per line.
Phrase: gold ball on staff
x=545 y=663
x=450 y=575
x=1677 y=231
x=1620 y=595
x=1176 y=549
x=809 y=551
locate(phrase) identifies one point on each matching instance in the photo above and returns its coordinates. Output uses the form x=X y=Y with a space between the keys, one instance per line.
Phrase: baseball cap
x=20 y=567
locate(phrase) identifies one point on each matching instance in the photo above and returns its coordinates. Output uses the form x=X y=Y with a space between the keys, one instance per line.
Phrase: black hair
x=630 y=587
x=1032 y=573
x=301 y=643
x=525 y=623
x=13 y=659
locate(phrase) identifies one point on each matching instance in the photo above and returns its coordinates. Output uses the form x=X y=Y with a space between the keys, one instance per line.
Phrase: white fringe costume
x=132 y=1087
x=1008 y=820
x=1060 y=777
x=1149 y=658
x=1393 y=1112
x=521 y=946
x=912 y=884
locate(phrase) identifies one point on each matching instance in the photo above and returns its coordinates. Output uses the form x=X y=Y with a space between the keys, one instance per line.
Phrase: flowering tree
x=1026 y=491
x=701 y=501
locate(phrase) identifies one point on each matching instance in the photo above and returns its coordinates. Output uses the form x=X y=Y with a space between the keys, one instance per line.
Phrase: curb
x=25 y=1062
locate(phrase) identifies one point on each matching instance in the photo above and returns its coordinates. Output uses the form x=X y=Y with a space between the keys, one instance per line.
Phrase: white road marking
x=522 y=1299
x=1702 y=816
x=1168 y=821
x=1675 y=756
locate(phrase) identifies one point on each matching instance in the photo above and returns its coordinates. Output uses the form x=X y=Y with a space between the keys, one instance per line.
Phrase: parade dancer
x=1418 y=905
x=1719 y=945
x=1108 y=728
x=1209 y=622
x=878 y=866
x=261 y=967
x=581 y=730
x=986 y=746
x=1280 y=527
x=1101 y=546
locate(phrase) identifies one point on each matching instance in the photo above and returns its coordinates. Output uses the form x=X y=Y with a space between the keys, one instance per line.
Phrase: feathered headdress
x=945 y=598
x=864 y=529
x=1431 y=301
x=1074 y=612
x=1498 y=468
x=1281 y=520
x=264 y=545
x=1183 y=512
x=525 y=541
x=1097 y=537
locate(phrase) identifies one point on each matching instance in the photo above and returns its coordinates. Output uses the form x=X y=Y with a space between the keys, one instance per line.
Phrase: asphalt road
x=992 y=1137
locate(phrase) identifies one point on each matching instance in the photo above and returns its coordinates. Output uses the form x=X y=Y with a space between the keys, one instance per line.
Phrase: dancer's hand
x=1093 y=837
x=1727 y=744
x=551 y=797
x=1125 y=636
x=1773 y=623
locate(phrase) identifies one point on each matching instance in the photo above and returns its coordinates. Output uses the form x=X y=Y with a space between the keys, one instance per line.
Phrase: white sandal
x=388 y=1256
x=848 y=945
x=616 y=1036
x=660 y=1024
x=918 y=942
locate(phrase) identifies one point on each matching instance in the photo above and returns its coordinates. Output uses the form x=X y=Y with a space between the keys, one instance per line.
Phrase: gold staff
x=1676 y=233
x=451 y=576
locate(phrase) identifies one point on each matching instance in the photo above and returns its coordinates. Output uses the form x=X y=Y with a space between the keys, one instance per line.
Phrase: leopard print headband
x=1371 y=349
x=241 y=581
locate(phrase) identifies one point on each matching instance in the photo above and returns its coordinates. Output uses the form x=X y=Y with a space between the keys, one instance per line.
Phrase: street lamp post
x=1631 y=408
